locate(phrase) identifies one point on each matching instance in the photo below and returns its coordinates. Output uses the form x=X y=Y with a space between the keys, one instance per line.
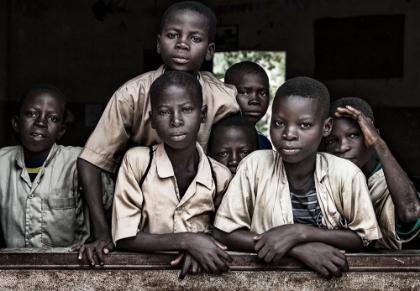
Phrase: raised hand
x=370 y=133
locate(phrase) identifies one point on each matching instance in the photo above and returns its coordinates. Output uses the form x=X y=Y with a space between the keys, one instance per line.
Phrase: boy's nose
x=342 y=147
x=41 y=121
x=289 y=133
x=176 y=120
x=234 y=160
x=182 y=44
x=253 y=99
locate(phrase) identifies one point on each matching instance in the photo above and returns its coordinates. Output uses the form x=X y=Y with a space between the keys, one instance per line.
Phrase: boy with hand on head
x=231 y=140
x=165 y=195
x=253 y=97
x=185 y=40
x=395 y=200
x=296 y=201
x=40 y=200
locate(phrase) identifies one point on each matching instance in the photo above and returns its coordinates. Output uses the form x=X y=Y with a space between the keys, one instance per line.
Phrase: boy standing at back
x=165 y=195
x=185 y=40
x=395 y=200
x=253 y=97
x=296 y=201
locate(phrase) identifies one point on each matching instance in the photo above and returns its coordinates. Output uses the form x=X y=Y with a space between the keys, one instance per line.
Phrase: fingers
x=81 y=252
x=99 y=251
x=178 y=259
x=185 y=267
x=333 y=270
x=221 y=246
x=89 y=255
x=76 y=248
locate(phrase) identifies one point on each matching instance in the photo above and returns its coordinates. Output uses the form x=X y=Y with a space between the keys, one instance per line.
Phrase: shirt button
x=28 y=237
x=31 y=196
x=179 y=208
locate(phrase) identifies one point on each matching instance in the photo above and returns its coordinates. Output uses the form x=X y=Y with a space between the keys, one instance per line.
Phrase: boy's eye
x=31 y=114
x=52 y=118
x=164 y=112
x=354 y=135
x=278 y=123
x=243 y=154
x=222 y=154
x=330 y=141
x=196 y=39
x=242 y=93
x=172 y=35
x=305 y=125
x=264 y=94
x=187 y=110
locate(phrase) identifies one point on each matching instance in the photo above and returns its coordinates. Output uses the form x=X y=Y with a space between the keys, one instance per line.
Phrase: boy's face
x=39 y=124
x=253 y=96
x=297 y=127
x=231 y=144
x=184 y=41
x=346 y=141
x=177 y=116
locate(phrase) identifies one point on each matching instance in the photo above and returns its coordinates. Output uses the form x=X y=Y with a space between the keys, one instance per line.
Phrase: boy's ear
x=61 y=131
x=151 y=120
x=204 y=114
x=15 y=123
x=158 y=44
x=210 y=51
x=328 y=124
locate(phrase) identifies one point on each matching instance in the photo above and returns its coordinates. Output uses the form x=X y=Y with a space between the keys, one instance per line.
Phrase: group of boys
x=191 y=184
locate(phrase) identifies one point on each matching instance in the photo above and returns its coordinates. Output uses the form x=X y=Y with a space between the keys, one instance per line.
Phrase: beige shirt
x=385 y=213
x=258 y=197
x=156 y=207
x=126 y=117
x=48 y=212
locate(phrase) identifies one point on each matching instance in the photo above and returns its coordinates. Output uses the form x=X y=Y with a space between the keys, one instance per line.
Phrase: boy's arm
x=275 y=243
x=404 y=195
x=208 y=252
x=90 y=176
x=240 y=240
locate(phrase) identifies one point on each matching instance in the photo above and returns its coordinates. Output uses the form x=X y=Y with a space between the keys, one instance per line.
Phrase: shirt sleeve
x=126 y=215
x=106 y=144
x=358 y=209
x=237 y=206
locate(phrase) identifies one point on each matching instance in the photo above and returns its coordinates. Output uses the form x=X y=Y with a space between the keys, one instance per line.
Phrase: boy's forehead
x=193 y=18
x=173 y=94
x=291 y=105
x=39 y=97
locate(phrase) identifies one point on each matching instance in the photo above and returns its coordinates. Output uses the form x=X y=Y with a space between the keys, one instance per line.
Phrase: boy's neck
x=369 y=166
x=299 y=174
x=186 y=158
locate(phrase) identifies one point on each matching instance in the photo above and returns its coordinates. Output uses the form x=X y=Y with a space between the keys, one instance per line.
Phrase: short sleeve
x=237 y=206
x=128 y=200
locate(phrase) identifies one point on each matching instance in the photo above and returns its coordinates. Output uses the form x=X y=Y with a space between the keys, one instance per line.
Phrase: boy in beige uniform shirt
x=184 y=41
x=296 y=201
x=395 y=200
x=164 y=199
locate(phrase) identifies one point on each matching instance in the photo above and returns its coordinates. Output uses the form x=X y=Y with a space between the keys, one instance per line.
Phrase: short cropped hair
x=233 y=121
x=243 y=68
x=177 y=79
x=48 y=88
x=356 y=103
x=192 y=6
x=306 y=87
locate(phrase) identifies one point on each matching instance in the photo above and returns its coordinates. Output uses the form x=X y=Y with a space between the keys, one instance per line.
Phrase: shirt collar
x=165 y=169
x=20 y=156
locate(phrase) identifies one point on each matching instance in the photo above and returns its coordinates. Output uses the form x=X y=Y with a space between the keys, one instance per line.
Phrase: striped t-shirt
x=305 y=206
x=33 y=168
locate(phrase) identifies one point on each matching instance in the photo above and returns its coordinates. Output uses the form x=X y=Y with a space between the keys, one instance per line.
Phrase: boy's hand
x=272 y=245
x=191 y=265
x=369 y=131
x=208 y=252
x=324 y=259
x=98 y=247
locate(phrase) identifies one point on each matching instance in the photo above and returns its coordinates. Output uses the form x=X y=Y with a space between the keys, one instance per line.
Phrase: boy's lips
x=289 y=150
x=253 y=113
x=37 y=136
x=178 y=136
x=180 y=59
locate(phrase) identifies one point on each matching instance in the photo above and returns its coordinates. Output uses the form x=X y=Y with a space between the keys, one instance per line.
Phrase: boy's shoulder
x=209 y=79
x=218 y=168
x=144 y=80
x=336 y=167
x=260 y=161
x=9 y=152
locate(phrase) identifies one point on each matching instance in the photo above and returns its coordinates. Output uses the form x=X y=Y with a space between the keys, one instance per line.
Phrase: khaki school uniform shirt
x=126 y=117
x=48 y=212
x=258 y=197
x=156 y=207
x=385 y=213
